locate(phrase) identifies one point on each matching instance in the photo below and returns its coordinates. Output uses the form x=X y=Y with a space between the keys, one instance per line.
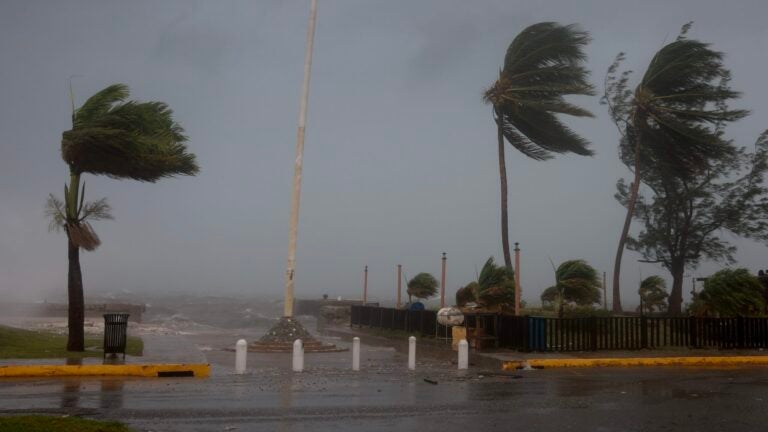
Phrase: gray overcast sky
x=400 y=160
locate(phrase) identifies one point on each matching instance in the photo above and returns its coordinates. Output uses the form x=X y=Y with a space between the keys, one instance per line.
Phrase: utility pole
x=605 y=293
x=365 y=286
x=399 y=279
x=442 y=284
x=296 y=193
x=518 y=288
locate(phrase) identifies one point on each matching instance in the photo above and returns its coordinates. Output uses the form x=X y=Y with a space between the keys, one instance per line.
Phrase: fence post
x=526 y=321
x=593 y=341
x=740 y=333
x=693 y=332
x=644 y=332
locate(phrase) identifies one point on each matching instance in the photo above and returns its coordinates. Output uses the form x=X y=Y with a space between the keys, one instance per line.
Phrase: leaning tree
x=672 y=121
x=121 y=139
x=543 y=64
x=688 y=219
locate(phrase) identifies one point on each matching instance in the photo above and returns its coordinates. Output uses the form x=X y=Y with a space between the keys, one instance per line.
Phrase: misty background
x=400 y=157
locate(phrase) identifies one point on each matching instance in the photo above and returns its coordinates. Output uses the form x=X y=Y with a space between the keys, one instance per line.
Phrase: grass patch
x=29 y=344
x=42 y=423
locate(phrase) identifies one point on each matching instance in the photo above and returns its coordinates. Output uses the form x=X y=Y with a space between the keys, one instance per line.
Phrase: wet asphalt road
x=386 y=397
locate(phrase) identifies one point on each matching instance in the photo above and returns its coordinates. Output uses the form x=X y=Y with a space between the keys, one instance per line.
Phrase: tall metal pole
x=442 y=285
x=296 y=194
x=365 y=286
x=399 y=280
x=605 y=293
x=518 y=288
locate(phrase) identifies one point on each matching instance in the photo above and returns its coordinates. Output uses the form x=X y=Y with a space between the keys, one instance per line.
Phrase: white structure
x=450 y=316
x=463 y=354
x=241 y=351
x=298 y=356
x=356 y=353
x=412 y=353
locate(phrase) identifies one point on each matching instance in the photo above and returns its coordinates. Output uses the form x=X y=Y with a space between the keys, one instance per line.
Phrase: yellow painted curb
x=637 y=361
x=137 y=370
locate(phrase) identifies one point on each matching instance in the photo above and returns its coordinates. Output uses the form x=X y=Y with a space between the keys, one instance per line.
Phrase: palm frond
x=96 y=210
x=543 y=64
x=136 y=140
x=82 y=235
x=55 y=213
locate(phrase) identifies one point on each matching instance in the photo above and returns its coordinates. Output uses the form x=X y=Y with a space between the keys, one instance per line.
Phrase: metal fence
x=582 y=334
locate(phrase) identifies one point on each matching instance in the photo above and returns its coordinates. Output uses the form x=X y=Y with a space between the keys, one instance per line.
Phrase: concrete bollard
x=298 y=356
x=356 y=353
x=241 y=352
x=463 y=354
x=412 y=353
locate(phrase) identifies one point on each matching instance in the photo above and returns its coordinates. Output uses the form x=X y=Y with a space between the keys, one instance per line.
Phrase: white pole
x=296 y=194
x=412 y=353
x=241 y=351
x=463 y=354
x=298 y=356
x=356 y=353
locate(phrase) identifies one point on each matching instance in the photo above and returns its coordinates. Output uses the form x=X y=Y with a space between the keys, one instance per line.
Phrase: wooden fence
x=582 y=334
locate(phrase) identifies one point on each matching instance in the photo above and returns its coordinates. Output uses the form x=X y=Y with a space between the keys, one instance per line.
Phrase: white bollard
x=463 y=354
x=412 y=353
x=356 y=353
x=241 y=351
x=298 y=356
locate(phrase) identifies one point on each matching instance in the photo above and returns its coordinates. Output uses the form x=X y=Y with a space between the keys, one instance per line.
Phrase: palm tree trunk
x=504 y=217
x=625 y=230
x=76 y=321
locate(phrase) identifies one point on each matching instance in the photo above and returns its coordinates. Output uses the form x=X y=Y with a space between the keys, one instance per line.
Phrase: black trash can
x=115 y=333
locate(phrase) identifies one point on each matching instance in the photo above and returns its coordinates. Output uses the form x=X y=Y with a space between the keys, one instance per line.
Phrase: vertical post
x=644 y=330
x=296 y=193
x=298 y=356
x=740 y=332
x=356 y=353
x=241 y=351
x=365 y=286
x=399 y=285
x=593 y=328
x=605 y=293
x=412 y=353
x=518 y=288
x=442 y=284
x=463 y=354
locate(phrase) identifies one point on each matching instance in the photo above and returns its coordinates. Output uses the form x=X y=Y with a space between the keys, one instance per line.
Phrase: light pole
x=518 y=288
x=365 y=286
x=296 y=193
x=442 y=284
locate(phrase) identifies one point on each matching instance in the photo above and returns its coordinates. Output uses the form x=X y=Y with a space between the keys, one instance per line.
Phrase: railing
x=583 y=334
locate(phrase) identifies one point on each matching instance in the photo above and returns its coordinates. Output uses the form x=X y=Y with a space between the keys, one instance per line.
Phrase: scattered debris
x=427 y=380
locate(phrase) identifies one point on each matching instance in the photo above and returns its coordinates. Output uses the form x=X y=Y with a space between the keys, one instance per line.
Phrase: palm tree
x=496 y=285
x=422 y=286
x=542 y=65
x=575 y=281
x=672 y=120
x=121 y=139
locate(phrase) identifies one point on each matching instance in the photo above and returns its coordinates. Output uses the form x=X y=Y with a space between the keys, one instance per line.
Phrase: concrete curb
x=638 y=362
x=198 y=370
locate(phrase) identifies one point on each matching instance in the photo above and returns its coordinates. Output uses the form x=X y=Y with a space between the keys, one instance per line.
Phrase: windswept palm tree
x=543 y=64
x=575 y=282
x=121 y=139
x=653 y=293
x=672 y=121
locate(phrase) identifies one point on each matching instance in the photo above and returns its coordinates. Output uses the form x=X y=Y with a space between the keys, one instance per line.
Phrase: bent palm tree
x=122 y=140
x=542 y=65
x=672 y=120
x=576 y=282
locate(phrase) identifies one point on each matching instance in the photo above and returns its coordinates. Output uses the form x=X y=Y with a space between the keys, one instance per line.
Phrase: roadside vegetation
x=44 y=423
x=17 y=343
